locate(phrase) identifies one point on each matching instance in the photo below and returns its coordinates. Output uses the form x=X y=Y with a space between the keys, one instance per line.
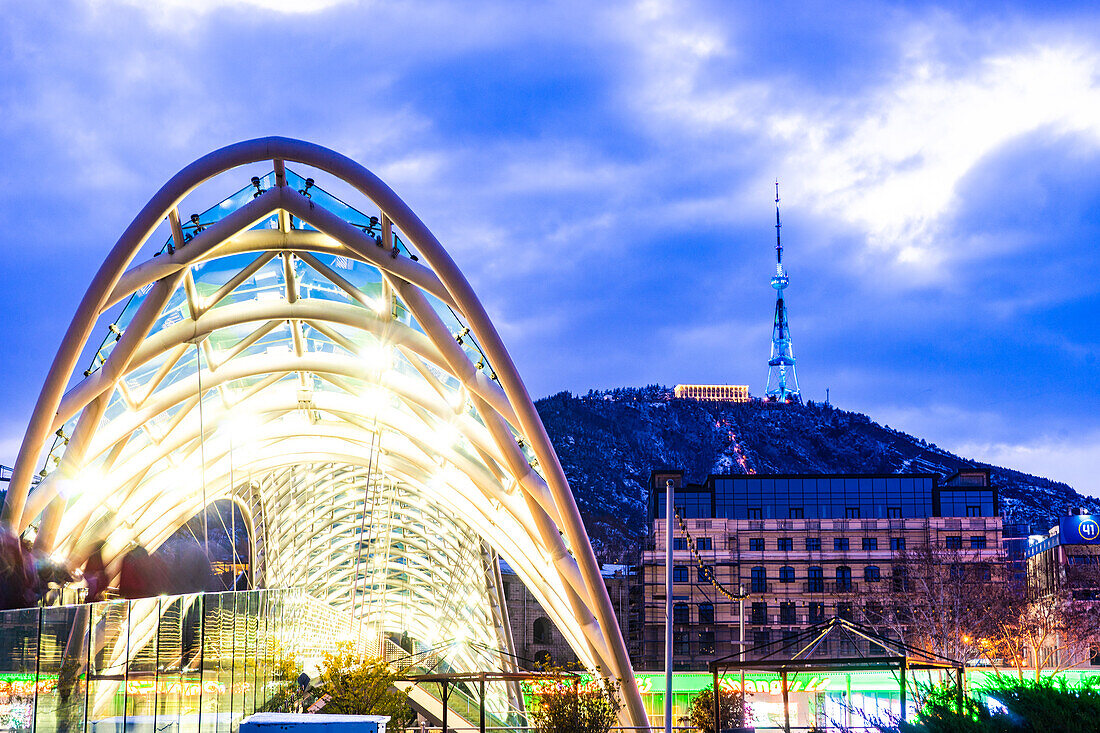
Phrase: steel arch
x=375 y=388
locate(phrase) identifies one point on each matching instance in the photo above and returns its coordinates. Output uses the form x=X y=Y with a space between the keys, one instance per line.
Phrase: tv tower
x=782 y=381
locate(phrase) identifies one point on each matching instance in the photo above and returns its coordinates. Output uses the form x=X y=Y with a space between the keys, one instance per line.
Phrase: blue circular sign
x=1088 y=529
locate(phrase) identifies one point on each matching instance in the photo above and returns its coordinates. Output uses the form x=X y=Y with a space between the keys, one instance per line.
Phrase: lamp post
x=669 y=511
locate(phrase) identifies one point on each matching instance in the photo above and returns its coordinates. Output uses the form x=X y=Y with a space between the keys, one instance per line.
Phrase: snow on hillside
x=609 y=441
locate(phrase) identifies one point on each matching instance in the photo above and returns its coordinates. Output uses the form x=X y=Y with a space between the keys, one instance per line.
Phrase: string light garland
x=708 y=571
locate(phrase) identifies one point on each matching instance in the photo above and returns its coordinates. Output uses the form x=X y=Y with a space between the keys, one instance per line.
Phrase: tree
x=572 y=706
x=360 y=685
x=940 y=599
x=731 y=713
x=1049 y=634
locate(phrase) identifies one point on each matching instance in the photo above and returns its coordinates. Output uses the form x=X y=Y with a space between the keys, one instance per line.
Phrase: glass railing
x=192 y=664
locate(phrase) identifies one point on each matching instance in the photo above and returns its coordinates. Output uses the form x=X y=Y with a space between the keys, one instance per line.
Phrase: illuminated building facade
x=804 y=548
x=325 y=366
x=1067 y=559
x=716 y=392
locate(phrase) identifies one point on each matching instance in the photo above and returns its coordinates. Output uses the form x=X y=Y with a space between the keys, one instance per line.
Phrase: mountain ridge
x=608 y=442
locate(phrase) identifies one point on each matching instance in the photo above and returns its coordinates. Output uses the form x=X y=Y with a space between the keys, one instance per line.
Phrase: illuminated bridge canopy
x=325 y=366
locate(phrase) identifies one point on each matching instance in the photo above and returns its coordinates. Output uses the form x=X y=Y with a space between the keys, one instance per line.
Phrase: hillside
x=608 y=443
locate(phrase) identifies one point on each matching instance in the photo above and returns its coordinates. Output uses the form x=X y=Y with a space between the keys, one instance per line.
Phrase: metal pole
x=669 y=511
x=717 y=713
x=482 y=728
x=786 y=702
x=903 y=691
x=444 y=706
x=741 y=653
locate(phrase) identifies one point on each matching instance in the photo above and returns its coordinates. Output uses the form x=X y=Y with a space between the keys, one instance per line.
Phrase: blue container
x=307 y=723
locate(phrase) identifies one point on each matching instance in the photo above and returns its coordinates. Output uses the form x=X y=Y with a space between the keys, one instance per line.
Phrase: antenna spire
x=782 y=381
x=778 y=242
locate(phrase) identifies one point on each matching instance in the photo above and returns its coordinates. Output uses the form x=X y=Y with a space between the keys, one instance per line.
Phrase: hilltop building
x=803 y=548
x=714 y=392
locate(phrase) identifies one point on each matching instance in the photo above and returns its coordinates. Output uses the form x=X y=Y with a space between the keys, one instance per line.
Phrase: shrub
x=573 y=706
x=731 y=713
x=1043 y=706
x=358 y=685
x=1050 y=706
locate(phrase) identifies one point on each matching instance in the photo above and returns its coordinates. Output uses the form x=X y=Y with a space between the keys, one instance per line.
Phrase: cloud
x=884 y=159
x=1073 y=461
x=166 y=11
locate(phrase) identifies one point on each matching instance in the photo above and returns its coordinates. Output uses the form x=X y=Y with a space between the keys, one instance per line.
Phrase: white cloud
x=1076 y=461
x=884 y=159
x=163 y=9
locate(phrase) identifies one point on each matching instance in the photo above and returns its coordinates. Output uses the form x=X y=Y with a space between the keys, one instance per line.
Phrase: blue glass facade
x=827 y=497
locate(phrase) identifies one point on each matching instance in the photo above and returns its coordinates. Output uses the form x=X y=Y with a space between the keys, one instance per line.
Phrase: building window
x=759 y=613
x=705 y=573
x=901 y=579
x=844 y=610
x=977 y=542
x=973 y=511
x=897 y=543
x=681 y=613
x=851 y=512
x=679 y=543
x=704 y=543
x=681 y=642
x=756 y=513
x=756 y=544
x=984 y=572
x=954 y=542
x=817 y=612
x=786 y=612
x=816 y=580
x=706 y=613
x=680 y=574
x=785 y=543
x=840 y=544
x=843 y=578
x=544 y=659
x=813 y=544
x=761 y=638
x=786 y=574
x=540 y=632
x=956 y=571
x=893 y=512
x=870 y=543
x=706 y=642
x=759 y=580
x=872 y=612
x=796 y=512
x=871 y=574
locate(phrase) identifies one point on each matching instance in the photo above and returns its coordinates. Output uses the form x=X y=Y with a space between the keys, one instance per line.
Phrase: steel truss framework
x=335 y=376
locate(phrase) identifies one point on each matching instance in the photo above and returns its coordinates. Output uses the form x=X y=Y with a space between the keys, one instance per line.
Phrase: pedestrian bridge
x=306 y=349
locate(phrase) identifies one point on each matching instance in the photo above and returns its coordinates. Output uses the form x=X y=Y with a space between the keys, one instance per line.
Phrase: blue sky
x=603 y=174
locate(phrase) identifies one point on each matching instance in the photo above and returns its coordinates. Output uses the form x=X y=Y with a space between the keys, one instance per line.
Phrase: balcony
x=840 y=587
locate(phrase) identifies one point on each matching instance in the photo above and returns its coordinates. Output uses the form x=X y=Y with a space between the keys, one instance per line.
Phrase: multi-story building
x=1067 y=559
x=804 y=547
x=538 y=642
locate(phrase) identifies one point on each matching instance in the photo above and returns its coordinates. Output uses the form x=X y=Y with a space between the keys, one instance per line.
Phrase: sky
x=603 y=174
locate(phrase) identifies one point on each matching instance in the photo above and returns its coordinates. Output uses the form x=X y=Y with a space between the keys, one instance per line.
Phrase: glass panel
x=107 y=664
x=19 y=644
x=62 y=668
x=141 y=674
